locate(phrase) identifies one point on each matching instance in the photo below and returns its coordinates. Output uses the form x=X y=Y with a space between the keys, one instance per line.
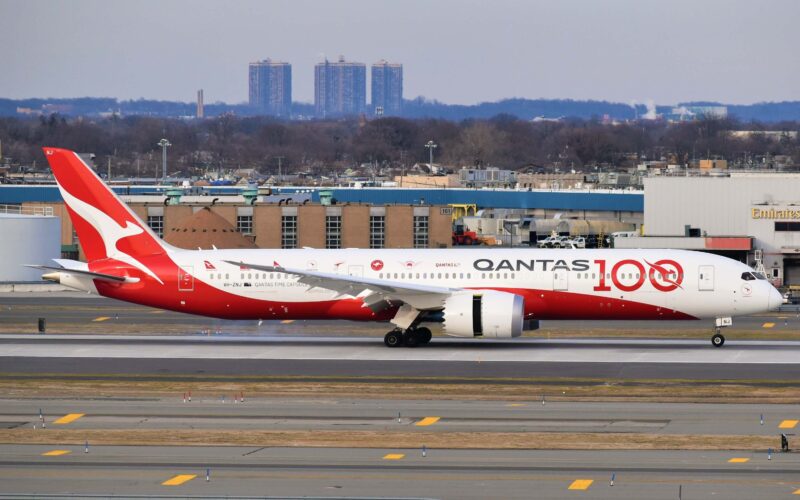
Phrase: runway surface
x=208 y=411
x=396 y=473
x=350 y=357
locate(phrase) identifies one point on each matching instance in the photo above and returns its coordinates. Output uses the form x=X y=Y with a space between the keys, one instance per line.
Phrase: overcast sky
x=455 y=51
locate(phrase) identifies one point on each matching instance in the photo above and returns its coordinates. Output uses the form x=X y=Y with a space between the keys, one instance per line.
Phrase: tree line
x=326 y=147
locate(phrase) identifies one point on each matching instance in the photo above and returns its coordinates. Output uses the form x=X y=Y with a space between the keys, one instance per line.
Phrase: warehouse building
x=753 y=217
x=191 y=224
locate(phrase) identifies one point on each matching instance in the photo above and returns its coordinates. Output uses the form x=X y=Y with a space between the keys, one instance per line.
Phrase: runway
x=381 y=471
x=107 y=342
x=208 y=411
x=358 y=357
x=368 y=473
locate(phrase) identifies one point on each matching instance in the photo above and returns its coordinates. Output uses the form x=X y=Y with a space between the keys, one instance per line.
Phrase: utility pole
x=164 y=145
x=109 y=169
x=431 y=146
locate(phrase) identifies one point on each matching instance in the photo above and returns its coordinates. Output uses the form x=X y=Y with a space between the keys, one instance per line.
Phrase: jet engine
x=484 y=313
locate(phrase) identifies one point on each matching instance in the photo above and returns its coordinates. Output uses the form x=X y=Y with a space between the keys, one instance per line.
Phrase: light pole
x=431 y=146
x=164 y=145
x=280 y=172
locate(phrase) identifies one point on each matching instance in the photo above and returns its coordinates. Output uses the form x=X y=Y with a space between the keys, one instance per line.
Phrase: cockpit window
x=760 y=276
x=748 y=276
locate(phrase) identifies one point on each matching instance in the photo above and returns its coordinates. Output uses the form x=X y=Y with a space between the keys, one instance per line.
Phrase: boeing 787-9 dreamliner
x=474 y=293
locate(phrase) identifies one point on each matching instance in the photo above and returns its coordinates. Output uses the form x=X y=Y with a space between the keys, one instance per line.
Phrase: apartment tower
x=387 y=89
x=271 y=88
x=340 y=88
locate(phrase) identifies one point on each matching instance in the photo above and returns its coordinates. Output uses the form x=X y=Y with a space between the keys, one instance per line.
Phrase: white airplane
x=475 y=293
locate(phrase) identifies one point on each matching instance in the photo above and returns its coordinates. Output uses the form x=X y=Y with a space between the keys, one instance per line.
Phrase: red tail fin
x=106 y=227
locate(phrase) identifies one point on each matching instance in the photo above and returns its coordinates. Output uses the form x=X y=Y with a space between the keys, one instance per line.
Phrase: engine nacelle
x=484 y=313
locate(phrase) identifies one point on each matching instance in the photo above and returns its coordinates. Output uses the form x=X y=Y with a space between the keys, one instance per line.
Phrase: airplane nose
x=775 y=299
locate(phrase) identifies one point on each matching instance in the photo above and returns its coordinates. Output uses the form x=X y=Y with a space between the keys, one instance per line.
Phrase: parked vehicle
x=463 y=236
x=548 y=242
x=576 y=242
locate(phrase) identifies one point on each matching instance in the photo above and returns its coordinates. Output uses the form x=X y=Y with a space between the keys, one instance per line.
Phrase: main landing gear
x=411 y=337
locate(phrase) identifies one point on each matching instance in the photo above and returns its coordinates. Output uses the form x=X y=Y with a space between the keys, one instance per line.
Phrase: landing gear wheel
x=424 y=335
x=393 y=339
x=717 y=340
x=412 y=338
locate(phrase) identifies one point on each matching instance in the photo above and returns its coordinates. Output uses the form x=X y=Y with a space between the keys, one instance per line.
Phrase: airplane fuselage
x=555 y=283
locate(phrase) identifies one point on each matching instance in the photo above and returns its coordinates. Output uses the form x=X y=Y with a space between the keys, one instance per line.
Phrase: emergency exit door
x=705 y=278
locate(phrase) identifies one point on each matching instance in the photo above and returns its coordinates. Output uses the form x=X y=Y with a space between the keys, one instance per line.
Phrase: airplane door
x=560 y=280
x=355 y=271
x=705 y=278
x=185 y=279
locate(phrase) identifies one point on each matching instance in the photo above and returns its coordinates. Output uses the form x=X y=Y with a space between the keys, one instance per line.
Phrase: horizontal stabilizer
x=90 y=274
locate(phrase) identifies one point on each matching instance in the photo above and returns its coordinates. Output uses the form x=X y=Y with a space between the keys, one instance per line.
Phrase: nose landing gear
x=717 y=340
x=411 y=337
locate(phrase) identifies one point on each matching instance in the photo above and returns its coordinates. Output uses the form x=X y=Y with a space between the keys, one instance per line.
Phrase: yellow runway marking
x=70 y=417
x=580 y=484
x=738 y=460
x=427 y=421
x=796 y=492
x=179 y=479
x=788 y=424
x=516 y=405
x=768 y=325
x=393 y=456
x=287 y=321
x=56 y=453
x=158 y=312
x=101 y=318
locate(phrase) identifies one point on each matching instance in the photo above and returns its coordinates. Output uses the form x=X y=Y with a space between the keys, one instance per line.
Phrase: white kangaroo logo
x=110 y=231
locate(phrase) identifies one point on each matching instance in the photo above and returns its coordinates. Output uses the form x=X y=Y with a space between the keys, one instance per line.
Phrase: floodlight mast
x=164 y=145
x=431 y=146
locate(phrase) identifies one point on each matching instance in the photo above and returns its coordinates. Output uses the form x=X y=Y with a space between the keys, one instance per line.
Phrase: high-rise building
x=387 y=88
x=271 y=87
x=340 y=88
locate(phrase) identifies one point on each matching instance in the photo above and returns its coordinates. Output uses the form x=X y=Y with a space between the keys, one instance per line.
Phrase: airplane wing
x=415 y=295
x=90 y=274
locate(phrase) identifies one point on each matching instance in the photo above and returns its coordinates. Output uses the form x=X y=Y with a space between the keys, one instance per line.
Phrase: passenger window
x=227 y=276
x=380 y=276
